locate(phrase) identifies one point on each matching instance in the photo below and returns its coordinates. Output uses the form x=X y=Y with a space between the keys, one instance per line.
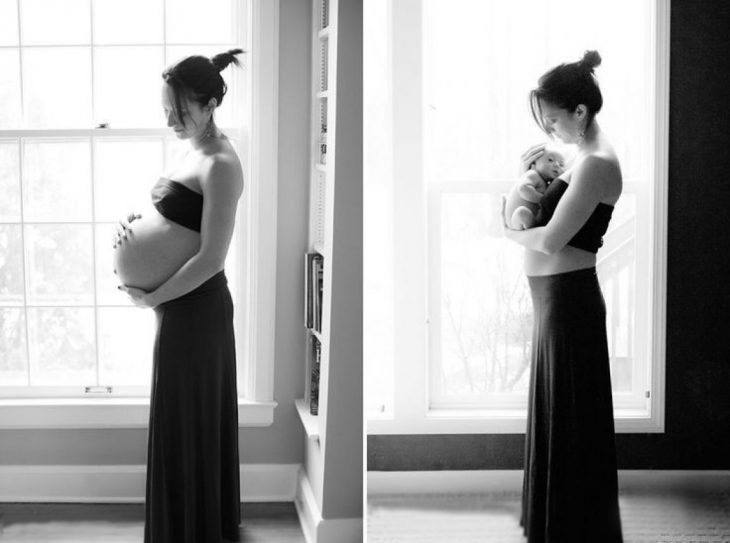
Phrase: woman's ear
x=212 y=103
x=580 y=112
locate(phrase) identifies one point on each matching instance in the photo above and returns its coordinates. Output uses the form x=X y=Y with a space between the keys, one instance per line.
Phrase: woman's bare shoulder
x=602 y=170
x=222 y=172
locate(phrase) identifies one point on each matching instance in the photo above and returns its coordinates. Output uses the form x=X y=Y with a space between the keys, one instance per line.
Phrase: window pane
x=57 y=181
x=10 y=112
x=224 y=114
x=478 y=128
x=9 y=182
x=123 y=185
x=475 y=130
x=131 y=21
x=8 y=22
x=49 y=104
x=59 y=265
x=378 y=291
x=128 y=82
x=11 y=264
x=62 y=350
x=13 y=354
x=617 y=269
x=486 y=310
x=126 y=335
x=50 y=22
x=189 y=22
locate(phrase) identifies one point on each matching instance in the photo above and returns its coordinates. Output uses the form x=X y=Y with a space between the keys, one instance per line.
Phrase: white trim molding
x=660 y=172
x=126 y=483
x=498 y=421
x=384 y=483
x=40 y=413
x=260 y=213
x=317 y=529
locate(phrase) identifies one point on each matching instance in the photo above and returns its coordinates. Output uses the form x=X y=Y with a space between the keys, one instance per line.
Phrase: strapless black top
x=178 y=203
x=590 y=236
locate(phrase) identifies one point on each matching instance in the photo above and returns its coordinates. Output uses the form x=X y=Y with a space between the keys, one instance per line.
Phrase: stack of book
x=313 y=288
x=314 y=381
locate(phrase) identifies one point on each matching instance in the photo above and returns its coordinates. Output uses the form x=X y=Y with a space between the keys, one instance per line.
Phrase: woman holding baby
x=570 y=489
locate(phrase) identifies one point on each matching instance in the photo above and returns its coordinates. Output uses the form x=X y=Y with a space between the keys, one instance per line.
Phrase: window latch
x=97 y=390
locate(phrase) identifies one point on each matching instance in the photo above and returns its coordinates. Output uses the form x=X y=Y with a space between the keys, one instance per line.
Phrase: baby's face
x=550 y=165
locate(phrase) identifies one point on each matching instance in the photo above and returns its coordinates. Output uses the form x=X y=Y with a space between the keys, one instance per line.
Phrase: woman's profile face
x=561 y=123
x=194 y=117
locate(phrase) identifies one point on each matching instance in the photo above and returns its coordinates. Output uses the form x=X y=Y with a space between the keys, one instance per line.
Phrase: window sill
x=309 y=422
x=505 y=421
x=37 y=413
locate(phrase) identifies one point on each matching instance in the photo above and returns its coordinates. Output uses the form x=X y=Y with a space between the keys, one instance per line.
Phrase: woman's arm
x=222 y=186
x=585 y=192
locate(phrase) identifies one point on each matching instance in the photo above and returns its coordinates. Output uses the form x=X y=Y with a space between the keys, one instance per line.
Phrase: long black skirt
x=570 y=488
x=193 y=483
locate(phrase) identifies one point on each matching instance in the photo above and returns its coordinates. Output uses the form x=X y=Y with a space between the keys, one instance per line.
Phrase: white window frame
x=411 y=412
x=256 y=299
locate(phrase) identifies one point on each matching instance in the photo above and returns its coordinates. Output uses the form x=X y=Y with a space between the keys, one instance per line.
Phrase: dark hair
x=199 y=78
x=568 y=85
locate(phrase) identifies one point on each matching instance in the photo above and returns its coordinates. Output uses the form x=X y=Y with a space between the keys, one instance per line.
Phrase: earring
x=581 y=137
x=209 y=128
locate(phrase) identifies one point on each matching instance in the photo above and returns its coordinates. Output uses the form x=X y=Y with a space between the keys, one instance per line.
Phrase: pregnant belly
x=155 y=250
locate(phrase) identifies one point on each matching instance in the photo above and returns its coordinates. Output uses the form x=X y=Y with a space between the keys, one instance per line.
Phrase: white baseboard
x=126 y=484
x=437 y=482
x=382 y=483
x=317 y=529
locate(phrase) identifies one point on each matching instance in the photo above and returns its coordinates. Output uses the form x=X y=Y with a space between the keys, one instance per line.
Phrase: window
x=451 y=81
x=80 y=95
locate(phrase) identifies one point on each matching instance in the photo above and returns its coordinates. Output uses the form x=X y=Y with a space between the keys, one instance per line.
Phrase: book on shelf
x=313 y=290
x=314 y=377
x=308 y=314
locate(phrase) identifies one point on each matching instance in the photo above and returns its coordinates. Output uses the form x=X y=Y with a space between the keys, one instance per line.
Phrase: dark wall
x=698 y=279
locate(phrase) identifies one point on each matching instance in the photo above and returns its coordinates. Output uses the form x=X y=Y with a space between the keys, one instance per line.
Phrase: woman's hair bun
x=590 y=60
x=222 y=60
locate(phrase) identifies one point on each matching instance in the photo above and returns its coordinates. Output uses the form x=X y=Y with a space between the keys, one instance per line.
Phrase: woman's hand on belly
x=137 y=296
x=124 y=229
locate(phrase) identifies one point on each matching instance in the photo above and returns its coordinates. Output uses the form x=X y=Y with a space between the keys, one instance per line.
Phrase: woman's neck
x=211 y=133
x=591 y=138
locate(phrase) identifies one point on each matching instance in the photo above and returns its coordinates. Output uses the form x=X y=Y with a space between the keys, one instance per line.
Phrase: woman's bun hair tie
x=222 y=60
x=199 y=78
x=590 y=60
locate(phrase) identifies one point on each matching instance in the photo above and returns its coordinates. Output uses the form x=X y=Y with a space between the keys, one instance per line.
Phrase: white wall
x=280 y=443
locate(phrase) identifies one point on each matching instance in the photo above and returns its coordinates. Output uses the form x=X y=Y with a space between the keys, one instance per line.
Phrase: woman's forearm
x=191 y=275
x=532 y=238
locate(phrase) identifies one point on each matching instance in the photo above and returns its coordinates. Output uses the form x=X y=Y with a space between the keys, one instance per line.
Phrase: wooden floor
x=676 y=511
x=101 y=523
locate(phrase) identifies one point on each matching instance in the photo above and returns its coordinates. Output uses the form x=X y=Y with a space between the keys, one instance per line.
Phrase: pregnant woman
x=570 y=490
x=172 y=259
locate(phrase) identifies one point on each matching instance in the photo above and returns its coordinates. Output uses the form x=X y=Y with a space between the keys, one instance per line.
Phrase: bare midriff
x=155 y=250
x=567 y=259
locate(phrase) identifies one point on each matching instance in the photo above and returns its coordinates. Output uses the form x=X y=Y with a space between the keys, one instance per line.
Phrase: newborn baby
x=523 y=199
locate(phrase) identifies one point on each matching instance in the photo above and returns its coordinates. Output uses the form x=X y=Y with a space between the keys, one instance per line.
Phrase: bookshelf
x=330 y=481
x=321 y=183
